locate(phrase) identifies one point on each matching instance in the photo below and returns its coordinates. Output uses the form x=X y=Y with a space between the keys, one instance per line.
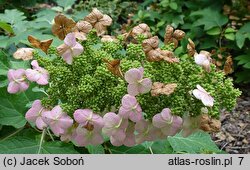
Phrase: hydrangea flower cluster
x=96 y=89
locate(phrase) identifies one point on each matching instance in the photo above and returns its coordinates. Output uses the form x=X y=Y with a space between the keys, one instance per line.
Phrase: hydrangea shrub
x=129 y=88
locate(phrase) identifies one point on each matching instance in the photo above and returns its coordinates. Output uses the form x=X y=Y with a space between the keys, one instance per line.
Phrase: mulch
x=234 y=137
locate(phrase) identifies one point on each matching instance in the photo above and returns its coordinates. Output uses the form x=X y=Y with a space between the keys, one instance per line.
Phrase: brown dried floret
x=191 y=47
x=209 y=124
x=169 y=56
x=154 y=55
x=62 y=26
x=150 y=44
x=24 y=53
x=141 y=29
x=228 y=66
x=83 y=26
x=172 y=36
x=99 y=21
x=108 y=38
x=81 y=30
x=179 y=34
x=161 y=88
x=168 y=33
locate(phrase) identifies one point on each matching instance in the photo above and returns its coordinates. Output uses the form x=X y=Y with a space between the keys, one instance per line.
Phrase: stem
x=41 y=141
x=50 y=135
x=151 y=151
x=106 y=147
x=12 y=134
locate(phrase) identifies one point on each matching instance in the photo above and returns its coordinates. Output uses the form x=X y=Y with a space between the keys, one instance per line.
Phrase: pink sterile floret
x=17 y=81
x=115 y=126
x=37 y=74
x=86 y=116
x=146 y=131
x=130 y=108
x=129 y=139
x=136 y=83
x=86 y=137
x=168 y=124
x=71 y=48
x=204 y=96
x=34 y=114
x=57 y=120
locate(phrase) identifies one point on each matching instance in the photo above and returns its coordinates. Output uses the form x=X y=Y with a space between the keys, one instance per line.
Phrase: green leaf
x=173 y=5
x=230 y=30
x=12 y=106
x=230 y=36
x=199 y=142
x=243 y=59
x=214 y=31
x=95 y=149
x=138 y=149
x=243 y=76
x=209 y=18
x=240 y=39
x=12 y=16
x=247 y=65
x=162 y=147
x=6 y=27
x=65 y=3
x=243 y=34
x=26 y=145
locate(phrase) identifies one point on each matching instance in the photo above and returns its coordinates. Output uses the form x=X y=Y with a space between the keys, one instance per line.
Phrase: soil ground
x=234 y=136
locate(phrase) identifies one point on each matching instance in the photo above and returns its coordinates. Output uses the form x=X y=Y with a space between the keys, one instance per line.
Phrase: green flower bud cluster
x=135 y=52
x=89 y=83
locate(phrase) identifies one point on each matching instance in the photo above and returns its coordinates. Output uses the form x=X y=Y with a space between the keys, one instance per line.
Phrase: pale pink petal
x=166 y=114
x=133 y=89
x=34 y=64
x=115 y=141
x=67 y=56
x=200 y=88
x=35 y=111
x=19 y=73
x=111 y=119
x=199 y=59
x=70 y=40
x=198 y=94
x=13 y=87
x=56 y=129
x=158 y=121
x=10 y=75
x=47 y=117
x=141 y=126
x=176 y=125
x=32 y=75
x=128 y=101
x=65 y=122
x=207 y=100
x=40 y=124
x=82 y=115
x=145 y=86
x=56 y=111
x=130 y=136
x=97 y=139
x=124 y=112
x=23 y=86
x=97 y=121
x=136 y=114
x=77 y=49
x=133 y=75
x=43 y=80
x=119 y=134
